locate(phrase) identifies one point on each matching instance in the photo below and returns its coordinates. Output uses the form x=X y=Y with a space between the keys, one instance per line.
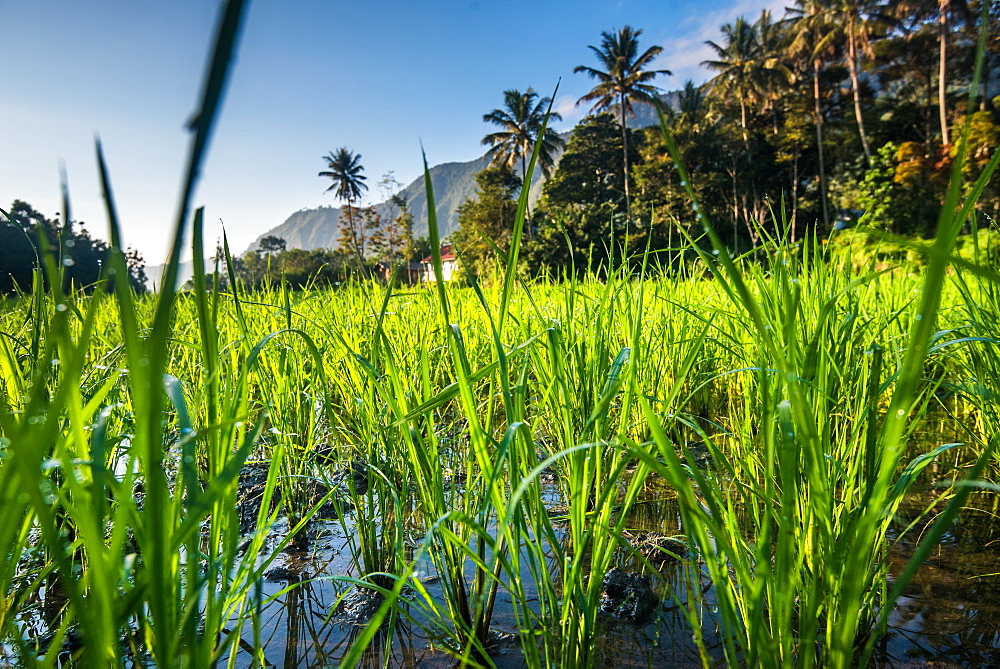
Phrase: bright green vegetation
x=126 y=421
x=794 y=388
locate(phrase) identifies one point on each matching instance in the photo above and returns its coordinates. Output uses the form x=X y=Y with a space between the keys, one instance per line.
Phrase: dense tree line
x=26 y=236
x=841 y=109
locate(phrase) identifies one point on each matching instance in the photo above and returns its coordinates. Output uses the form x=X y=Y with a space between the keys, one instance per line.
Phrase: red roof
x=446 y=254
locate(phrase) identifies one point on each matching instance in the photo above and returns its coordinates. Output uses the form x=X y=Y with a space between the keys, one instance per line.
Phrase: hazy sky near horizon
x=376 y=76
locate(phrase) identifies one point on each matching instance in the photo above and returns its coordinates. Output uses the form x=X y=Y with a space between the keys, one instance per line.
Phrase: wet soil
x=949 y=615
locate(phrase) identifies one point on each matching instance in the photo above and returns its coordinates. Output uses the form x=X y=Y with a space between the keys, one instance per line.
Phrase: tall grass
x=778 y=399
x=800 y=570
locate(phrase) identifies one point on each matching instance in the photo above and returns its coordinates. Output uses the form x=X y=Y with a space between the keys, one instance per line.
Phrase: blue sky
x=376 y=76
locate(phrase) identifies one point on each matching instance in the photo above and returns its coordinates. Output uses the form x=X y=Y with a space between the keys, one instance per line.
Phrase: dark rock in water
x=356 y=474
x=502 y=643
x=281 y=573
x=250 y=493
x=358 y=606
x=325 y=454
x=660 y=549
x=289 y=568
x=628 y=596
x=700 y=452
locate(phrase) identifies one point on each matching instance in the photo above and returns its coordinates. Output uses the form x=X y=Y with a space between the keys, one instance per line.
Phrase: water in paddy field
x=949 y=615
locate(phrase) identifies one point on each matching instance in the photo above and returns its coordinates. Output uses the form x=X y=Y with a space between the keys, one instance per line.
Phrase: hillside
x=453 y=184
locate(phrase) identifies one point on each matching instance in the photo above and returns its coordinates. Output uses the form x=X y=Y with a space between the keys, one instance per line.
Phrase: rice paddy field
x=414 y=477
x=774 y=460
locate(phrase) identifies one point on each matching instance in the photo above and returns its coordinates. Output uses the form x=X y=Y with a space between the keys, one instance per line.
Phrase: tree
x=488 y=219
x=622 y=82
x=810 y=42
x=27 y=234
x=943 y=11
x=392 y=240
x=743 y=66
x=857 y=23
x=521 y=120
x=272 y=245
x=356 y=228
x=591 y=170
x=344 y=168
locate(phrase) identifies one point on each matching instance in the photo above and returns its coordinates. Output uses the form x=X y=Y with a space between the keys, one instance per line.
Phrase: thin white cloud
x=683 y=56
x=571 y=114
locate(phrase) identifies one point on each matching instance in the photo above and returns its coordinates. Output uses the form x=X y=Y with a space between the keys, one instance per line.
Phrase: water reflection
x=950 y=612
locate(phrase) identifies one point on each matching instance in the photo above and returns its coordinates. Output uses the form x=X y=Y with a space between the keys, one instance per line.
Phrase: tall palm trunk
x=356 y=238
x=819 y=141
x=852 y=62
x=943 y=72
x=628 y=199
x=743 y=120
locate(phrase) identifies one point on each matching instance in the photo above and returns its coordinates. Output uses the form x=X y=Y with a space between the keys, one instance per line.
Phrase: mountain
x=453 y=184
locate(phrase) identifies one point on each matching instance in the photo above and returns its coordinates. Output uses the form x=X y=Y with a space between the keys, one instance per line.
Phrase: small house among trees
x=449 y=261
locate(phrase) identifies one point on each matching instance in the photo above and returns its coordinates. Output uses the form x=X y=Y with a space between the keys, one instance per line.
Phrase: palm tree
x=521 y=120
x=344 y=167
x=777 y=75
x=943 y=11
x=809 y=42
x=622 y=82
x=738 y=66
x=857 y=22
x=690 y=101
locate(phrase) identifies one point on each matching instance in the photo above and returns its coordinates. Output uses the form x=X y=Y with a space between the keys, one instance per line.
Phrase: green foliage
x=299 y=268
x=488 y=220
x=897 y=193
x=26 y=235
x=590 y=170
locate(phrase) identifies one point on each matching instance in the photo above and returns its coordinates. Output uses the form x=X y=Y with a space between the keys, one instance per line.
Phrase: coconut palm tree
x=809 y=43
x=344 y=168
x=740 y=67
x=857 y=23
x=623 y=82
x=777 y=74
x=944 y=12
x=521 y=120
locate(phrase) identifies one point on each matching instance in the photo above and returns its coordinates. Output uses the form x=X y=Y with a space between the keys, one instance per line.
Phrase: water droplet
x=918 y=317
x=683 y=184
x=901 y=413
x=68 y=261
x=61 y=307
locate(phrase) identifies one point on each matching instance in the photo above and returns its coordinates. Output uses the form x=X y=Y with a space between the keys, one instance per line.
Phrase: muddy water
x=949 y=615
